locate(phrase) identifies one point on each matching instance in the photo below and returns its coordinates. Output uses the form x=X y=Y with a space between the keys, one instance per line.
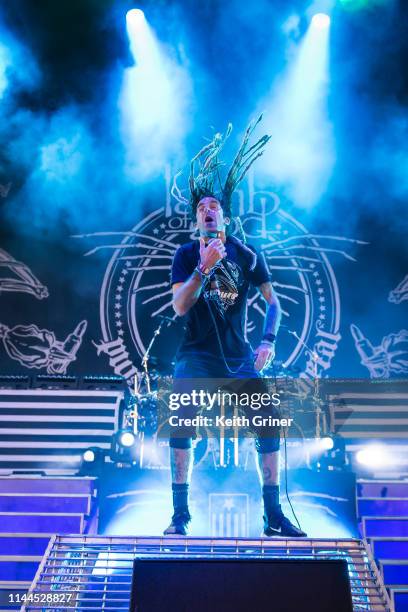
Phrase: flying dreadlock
x=205 y=179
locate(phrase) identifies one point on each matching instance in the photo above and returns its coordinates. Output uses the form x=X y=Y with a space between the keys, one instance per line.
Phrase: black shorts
x=245 y=380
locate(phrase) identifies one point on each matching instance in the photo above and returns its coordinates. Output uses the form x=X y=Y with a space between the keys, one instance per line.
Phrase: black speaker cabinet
x=240 y=585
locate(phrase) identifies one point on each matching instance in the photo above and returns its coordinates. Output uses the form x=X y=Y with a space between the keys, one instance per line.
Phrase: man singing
x=211 y=278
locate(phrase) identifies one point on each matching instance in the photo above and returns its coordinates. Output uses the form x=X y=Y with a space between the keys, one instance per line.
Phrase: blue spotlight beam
x=153 y=101
x=321 y=21
x=301 y=153
x=134 y=17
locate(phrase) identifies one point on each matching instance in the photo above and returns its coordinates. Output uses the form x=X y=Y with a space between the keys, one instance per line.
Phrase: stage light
x=326 y=443
x=370 y=456
x=93 y=461
x=127 y=438
x=88 y=456
x=321 y=451
x=373 y=456
x=124 y=447
x=321 y=20
x=135 y=17
x=334 y=456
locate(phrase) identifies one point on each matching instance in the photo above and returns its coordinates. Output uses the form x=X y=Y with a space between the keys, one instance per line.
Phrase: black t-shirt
x=226 y=294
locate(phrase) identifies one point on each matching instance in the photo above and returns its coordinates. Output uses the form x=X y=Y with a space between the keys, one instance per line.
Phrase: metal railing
x=95 y=572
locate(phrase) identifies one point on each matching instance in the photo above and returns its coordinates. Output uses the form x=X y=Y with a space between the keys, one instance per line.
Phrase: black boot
x=181 y=517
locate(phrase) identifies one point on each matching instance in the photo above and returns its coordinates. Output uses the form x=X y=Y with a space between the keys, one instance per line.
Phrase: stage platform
x=97 y=570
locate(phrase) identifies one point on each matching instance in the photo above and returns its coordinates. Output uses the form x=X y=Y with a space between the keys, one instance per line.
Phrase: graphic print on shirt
x=223 y=286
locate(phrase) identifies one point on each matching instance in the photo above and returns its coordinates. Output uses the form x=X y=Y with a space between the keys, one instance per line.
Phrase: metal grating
x=97 y=570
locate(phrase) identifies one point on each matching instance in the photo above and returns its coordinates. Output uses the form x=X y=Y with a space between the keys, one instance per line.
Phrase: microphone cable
x=286 y=458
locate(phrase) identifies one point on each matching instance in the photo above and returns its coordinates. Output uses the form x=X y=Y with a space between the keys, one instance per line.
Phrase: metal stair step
x=18 y=569
x=41 y=523
x=389 y=548
x=394 y=571
x=400 y=599
x=18 y=544
x=36 y=484
x=44 y=503
x=382 y=488
x=389 y=526
x=382 y=506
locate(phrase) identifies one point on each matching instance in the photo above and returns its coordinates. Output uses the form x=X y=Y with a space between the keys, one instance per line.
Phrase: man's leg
x=268 y=469
x=268 y=464
x=275 y=522
x=181 y=452
x=267 y=446
x=181 y=463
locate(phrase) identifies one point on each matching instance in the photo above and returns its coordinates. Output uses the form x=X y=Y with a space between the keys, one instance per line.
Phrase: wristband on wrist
x=269 y=338
x=202 y=272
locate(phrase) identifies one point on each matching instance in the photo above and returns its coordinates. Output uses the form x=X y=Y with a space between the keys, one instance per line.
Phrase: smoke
x=18 y=68
x=390 y=155
x=4 y=65
x=66 y=173
x=154 y=103
x=93 y=163
x=18 y=73
x=99 y=163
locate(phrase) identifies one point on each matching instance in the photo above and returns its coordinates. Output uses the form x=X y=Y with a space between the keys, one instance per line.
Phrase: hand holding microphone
x=211 y=254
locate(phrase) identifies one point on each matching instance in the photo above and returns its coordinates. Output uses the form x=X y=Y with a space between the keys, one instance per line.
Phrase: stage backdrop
x=90 y=303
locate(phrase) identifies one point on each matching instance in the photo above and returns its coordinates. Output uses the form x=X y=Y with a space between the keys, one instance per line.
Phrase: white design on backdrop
x=118 y=358
x=387 y=358
x=136 y=287
x=15 y=276
x=38 y=348
x=400 y=293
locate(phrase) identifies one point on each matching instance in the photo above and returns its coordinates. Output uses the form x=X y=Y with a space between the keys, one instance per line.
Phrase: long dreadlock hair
x=205 y=178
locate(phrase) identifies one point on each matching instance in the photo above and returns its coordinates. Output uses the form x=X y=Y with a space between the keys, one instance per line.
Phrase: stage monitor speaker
x=240 y=585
